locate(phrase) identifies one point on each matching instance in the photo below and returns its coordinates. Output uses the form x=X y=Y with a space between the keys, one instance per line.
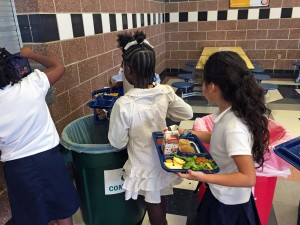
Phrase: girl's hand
x=26 y=52
x=184 y=132
x=180 y=130
x=193 y=175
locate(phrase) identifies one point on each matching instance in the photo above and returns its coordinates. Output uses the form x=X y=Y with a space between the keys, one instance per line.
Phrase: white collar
x=217 y=116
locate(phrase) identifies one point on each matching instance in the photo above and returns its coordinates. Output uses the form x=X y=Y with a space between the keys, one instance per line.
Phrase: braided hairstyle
x=8 y=74
x=139 y=55
x=239 y=87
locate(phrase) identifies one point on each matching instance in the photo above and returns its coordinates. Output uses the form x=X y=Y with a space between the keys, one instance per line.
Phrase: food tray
x=108 y=90
x=290 y=152
x=191 y=137
x=20 y=64
x=102 y=100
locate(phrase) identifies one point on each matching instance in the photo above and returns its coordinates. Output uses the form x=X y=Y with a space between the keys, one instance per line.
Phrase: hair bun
x=139 y=36
x=124 y=39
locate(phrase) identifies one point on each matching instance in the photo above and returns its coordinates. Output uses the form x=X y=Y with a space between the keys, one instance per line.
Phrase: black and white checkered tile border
x=103 y=23
x=234 y=14
x=63 y=26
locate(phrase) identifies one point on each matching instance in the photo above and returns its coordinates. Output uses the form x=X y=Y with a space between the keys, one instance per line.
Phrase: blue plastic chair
x=267 y=87
x=186 y=76
x=191 y=63
x=255 y=64
x=258 y=70
x=260 y=77
x=186 y=89
x=188 y=69
x=297 y=64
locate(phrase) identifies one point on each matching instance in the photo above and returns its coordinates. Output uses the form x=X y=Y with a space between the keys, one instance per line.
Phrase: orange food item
x=202 y=159
x=159 y=141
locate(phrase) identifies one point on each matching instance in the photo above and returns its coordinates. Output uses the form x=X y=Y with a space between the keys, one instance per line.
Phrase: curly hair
x=8 y=74
x=239 y=87
x=140 y=55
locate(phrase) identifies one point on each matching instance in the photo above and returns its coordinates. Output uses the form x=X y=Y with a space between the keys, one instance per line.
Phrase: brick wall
x=264 y=33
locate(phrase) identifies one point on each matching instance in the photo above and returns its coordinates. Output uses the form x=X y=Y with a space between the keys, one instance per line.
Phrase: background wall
x=263 y=33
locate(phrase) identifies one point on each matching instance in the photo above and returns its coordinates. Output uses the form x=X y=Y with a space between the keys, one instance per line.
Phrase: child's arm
x=204 y=136
x=54 y=70
x=119 y=125
x=179 y=110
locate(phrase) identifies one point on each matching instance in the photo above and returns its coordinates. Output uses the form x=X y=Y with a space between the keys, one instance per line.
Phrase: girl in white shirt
x=239 y=138
x=39 y=187
x=141 y=111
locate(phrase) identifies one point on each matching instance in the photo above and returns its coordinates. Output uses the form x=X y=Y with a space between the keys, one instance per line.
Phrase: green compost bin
x=97 y=169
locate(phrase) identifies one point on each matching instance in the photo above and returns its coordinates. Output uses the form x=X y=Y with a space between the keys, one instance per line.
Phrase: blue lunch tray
x=102 y=100
x=290 y=152
x=191 y=137
x=20 y=64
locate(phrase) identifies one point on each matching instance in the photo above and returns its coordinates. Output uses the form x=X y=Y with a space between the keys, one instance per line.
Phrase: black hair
x=140 y=57
x=8 y=74
x=238 y=85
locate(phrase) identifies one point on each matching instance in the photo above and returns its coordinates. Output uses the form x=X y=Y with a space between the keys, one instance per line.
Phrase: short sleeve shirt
x=26 y=126
x=230 y=136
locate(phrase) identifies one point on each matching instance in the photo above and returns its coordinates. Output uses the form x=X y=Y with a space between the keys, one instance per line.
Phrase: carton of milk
x=170 y=142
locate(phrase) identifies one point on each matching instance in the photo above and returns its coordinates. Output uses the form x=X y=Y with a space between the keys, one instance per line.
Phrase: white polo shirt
x=230 y=136
x=26 y=126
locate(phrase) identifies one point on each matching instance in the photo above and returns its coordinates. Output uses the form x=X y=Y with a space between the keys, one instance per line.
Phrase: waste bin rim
x=66 y=142
x=80 y=118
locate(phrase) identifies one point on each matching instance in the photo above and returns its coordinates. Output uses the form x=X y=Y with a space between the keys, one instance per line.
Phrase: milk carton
x=170 y=142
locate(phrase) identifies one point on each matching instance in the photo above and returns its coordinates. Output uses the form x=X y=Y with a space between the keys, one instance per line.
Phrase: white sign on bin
x=113 y=181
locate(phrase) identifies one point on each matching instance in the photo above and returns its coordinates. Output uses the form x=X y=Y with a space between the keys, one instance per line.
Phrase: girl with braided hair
x=39 y=187
x=240 y=137
x=135 y=116
x=123 y=39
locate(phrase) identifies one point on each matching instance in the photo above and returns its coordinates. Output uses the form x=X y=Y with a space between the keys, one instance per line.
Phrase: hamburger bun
x=187 y=149
x=184 y=142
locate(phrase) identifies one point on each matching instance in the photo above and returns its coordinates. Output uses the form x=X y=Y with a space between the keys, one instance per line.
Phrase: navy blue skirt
x=40 y=189
x=212 y=212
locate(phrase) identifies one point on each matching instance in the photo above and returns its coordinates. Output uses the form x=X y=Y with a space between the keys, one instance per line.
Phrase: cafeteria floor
x=285 y=105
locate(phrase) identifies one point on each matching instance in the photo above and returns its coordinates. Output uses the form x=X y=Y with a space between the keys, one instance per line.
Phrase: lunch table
x=207 y=51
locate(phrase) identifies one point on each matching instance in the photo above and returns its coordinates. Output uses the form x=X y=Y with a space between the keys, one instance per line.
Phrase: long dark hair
x=8 y=74
x=239 y=87
x=140 y=57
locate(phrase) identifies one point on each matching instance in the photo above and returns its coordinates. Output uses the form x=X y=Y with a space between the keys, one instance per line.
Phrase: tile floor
x=285 y=105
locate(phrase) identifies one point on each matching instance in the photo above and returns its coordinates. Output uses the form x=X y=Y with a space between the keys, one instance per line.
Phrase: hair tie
x=147 y=43
x=132 y=43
